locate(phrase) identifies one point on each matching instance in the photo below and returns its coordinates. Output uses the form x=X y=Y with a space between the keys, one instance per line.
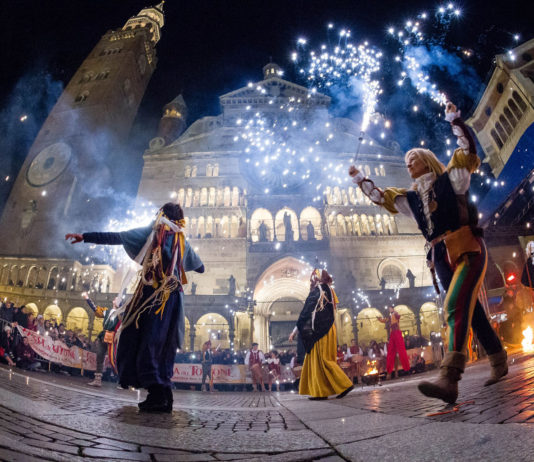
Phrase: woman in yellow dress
x=321 y=376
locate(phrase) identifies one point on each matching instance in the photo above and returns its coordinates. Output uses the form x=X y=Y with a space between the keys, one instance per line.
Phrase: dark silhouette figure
x=263 y=232
x=310 y=230
x=411 y=278
x=288 y=227
x=231 y=285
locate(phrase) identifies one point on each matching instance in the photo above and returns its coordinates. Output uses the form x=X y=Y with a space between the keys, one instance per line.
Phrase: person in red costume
x=396 y=343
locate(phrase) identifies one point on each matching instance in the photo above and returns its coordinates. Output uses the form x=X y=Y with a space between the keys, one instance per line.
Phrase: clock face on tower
x=49 y=164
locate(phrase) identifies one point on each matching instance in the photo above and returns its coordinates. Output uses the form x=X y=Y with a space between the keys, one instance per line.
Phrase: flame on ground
x=527 y=344
x=371 y=368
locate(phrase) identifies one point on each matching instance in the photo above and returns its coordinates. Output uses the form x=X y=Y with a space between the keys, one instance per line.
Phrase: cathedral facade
x=260 y=231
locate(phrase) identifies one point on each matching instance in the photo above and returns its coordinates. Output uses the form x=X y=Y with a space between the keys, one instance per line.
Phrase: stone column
x=192 y=338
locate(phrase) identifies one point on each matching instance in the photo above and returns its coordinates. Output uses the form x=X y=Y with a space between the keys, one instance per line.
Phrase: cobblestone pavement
x=50 y=417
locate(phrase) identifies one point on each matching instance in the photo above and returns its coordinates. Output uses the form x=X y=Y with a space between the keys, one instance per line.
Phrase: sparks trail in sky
x=415 y=44
x=115 y=255
x=344 y=67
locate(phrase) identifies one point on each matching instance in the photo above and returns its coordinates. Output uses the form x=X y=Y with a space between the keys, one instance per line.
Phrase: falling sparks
x=345 y=65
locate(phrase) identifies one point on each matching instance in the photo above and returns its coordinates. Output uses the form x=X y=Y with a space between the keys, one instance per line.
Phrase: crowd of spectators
x=15 y=349
x=16 y=352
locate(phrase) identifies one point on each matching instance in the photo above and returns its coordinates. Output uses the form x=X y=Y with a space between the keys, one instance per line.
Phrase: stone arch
x=520 y=102
x=341 y=225
x=32 y=276
x=407 y=321
x=328 y=195
x=212 y=196
x=332 y=224
x=189 y=197
x=4 y=277
x=369 y=327
x=285 y=279
x=504 y=122
x=203 y=197
x=352 y=195
x=429 y=318
x=225 y=227
x=196 y=197
x=235 y=196
x=344 y=197
x=78 y=320
x=181 y=196
x=209 y=226
x=52 y=279
x=517 y=112
x=227 y=197
x=32 y=308
x=209 y=170
x=378 y=223
x=280 y=227
x=53 y=312
x=214 y=327
x=201 y=230
x=393 y=272
x=356 y=225
x=216 y=170
x=234 y=226
x=194 y=171
x=259 y=216
x=220 y=197
x=336 y=199
x=307 y=216
x=510 y=116
x=366 y=230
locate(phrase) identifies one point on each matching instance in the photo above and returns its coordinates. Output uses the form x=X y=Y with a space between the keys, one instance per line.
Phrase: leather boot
x=156 y=400
x=499 y=367
x=170 y=398
x=446 y=387
x=97 y=382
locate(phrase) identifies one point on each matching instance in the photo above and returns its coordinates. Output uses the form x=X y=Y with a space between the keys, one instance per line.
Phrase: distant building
x=506 y=110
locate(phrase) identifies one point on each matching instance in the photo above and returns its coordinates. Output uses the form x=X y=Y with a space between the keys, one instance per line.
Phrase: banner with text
x=223 y=373
x=57 y=352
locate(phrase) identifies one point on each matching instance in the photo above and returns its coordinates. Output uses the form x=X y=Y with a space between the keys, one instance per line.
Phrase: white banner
x=223 y=373
x=57 y=352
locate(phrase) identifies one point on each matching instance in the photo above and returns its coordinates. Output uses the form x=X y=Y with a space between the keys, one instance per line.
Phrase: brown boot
x=446 y=387
x=499 y=367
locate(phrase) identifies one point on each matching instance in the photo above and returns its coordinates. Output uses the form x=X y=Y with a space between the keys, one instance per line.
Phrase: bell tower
x=67 y=179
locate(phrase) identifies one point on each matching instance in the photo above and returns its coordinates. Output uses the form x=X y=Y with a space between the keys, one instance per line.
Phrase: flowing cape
x=314 y=327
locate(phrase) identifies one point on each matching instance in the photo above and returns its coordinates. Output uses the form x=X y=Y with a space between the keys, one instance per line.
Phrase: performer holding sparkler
x=438 y=201
x=153 y=321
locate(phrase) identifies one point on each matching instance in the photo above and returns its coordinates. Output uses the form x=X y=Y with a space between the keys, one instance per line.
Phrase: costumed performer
x=438 y=201
x=254 y=360
x=153 y=320
x=105 y=338
x=321 y=376
x=275 y=371
x=395 y=344
x=527 y=278
x=206 y=359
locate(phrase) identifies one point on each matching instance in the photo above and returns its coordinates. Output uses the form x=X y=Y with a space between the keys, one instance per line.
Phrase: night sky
x=211 y=47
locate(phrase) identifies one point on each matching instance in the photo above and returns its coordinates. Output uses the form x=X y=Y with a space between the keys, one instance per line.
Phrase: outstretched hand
x=353 y=171
x=451 y=111
x=292 y=336
x=74 y=238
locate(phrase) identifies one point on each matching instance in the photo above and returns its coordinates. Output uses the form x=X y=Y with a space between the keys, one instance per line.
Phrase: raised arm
x=464 y=161
x=392 y=199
